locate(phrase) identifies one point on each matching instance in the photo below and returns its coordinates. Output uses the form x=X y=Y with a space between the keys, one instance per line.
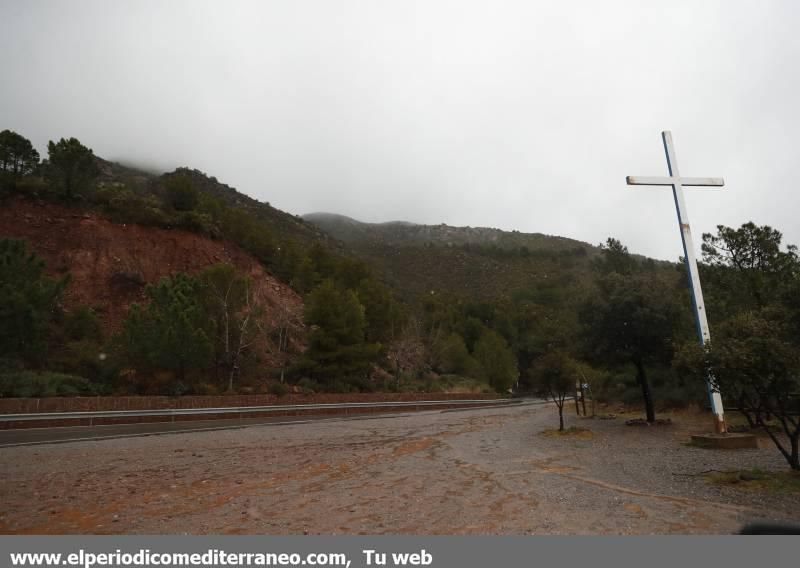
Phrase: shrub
x=26 y=384
x=180 y=194
x=177 y=388
x=278 y=389
x=82 y=324
x=197 y=223
x=339 y=386
x=123 y=206
x=85 y=358
x=205 y=389
x=309 y=386
x=32 y=185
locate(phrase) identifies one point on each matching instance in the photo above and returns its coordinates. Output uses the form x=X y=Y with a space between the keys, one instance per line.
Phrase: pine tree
x=171 y=331
x=337 y=345
x=18 y=157
x=497 y=360
x=72 y=165
x=28 y=300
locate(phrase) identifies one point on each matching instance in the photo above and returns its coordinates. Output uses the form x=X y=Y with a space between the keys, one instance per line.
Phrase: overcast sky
x=518 y=115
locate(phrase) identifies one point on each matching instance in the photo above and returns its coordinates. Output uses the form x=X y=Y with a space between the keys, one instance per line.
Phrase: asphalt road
x=35 y=436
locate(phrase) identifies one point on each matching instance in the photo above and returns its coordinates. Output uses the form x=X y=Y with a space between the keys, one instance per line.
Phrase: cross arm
x=701 y=182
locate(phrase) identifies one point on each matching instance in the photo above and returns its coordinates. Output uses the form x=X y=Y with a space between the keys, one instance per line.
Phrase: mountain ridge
x=349 y=230
x=480 y=263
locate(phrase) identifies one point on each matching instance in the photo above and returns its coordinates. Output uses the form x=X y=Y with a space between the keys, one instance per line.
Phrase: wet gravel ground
x=489 y=471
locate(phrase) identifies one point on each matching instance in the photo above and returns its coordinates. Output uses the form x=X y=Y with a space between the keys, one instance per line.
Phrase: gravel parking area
x=489 y=471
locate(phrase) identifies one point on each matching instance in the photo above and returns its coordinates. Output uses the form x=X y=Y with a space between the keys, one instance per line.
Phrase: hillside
x=404 y=233
x=481 y=304
x=109 y=264
x=144 y=184
x=477 y=262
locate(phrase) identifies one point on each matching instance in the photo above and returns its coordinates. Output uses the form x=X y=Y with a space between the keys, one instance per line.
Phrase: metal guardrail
x=172 y=412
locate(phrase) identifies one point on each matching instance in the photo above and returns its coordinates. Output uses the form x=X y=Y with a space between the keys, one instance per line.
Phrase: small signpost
x=677 y=184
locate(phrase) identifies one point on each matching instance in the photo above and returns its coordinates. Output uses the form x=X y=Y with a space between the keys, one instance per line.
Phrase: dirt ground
x=466 y=472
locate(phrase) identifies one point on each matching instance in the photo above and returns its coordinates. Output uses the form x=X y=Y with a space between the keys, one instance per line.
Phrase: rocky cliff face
x=110 y=264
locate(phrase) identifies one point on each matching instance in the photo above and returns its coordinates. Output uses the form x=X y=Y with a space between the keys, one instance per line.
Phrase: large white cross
x=677 y=184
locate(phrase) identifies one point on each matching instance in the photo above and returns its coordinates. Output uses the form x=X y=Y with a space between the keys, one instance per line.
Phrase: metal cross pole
x=677 y=184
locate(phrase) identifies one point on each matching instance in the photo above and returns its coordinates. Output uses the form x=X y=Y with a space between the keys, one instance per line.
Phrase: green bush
x=205 y=389
x=82 y=358
x=177 y=388
x=451 y=355
x=123 y=206
x=31 y=185
x=361 y=384
x=195 y=222
x=339 y=386
x=278 y=389
x=25 y=384
x=82 y=324
x=180 y=194
x=309 y=386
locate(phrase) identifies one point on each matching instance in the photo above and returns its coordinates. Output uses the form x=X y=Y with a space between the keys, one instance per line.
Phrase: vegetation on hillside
x=474 y=262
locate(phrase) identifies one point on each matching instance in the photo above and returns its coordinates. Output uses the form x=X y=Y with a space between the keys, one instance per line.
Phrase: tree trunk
x=561 y=418
x=234 y=374
x=583 y=399
x=281 y=350
x=794 y=461
x=647 y=393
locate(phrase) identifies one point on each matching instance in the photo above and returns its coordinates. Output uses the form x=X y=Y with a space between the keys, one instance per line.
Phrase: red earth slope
x=110 y=264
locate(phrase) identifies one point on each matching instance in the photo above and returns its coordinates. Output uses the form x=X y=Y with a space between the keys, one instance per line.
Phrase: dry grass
x=600 y=416
x=758 y=480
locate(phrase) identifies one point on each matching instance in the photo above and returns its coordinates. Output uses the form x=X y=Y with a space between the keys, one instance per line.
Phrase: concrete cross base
x=725 y=441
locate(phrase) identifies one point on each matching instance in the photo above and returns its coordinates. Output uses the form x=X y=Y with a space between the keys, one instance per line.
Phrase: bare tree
x=248 y=330
x=281 y=327
x=235 y=314
x=407 y=351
